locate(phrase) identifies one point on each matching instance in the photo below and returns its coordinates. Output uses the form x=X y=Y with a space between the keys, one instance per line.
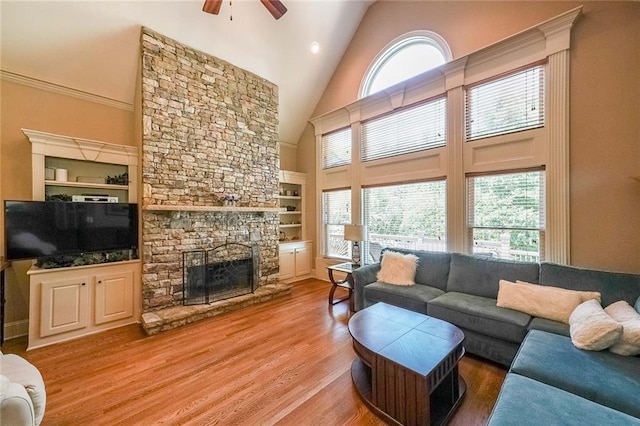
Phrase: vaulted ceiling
x=93 y=46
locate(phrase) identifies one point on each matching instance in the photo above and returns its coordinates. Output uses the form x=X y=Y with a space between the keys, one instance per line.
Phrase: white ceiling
x=93 y=46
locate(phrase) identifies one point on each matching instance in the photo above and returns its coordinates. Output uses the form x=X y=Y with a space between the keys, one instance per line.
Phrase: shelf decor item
x=122 y=179
x=61 y=175
x=229 y=199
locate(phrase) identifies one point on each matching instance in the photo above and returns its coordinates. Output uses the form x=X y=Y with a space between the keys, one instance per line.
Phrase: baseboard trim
x=16 y=329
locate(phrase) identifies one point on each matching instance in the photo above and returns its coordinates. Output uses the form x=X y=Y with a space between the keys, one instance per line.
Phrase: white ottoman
x=22 y=394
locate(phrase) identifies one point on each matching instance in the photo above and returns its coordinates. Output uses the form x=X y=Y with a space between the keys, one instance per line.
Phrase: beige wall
x=27 y=107
x=288 y=158
x=605 y=103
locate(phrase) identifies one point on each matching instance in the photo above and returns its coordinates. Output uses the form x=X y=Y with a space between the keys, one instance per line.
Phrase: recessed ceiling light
x=315 y=47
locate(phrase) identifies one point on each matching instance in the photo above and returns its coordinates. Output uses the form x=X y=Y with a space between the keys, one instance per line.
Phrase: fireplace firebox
x=226 y=271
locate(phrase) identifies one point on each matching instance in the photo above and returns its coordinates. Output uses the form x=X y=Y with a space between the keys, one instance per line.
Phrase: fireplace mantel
x=226 y=209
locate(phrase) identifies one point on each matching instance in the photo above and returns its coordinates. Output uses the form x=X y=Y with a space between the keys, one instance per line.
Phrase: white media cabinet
x=65 y=303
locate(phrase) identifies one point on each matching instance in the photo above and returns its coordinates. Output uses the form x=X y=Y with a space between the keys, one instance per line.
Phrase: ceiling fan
x=275 y=7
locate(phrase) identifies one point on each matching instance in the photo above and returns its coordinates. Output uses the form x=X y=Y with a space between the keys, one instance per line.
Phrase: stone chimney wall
x=209 y=129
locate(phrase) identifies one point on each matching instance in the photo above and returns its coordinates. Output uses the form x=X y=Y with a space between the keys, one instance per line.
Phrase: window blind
x=411 y=129
x=336 y=148
x=412 y=216
x=336 y=208
x=506 y=214
x=505 y=105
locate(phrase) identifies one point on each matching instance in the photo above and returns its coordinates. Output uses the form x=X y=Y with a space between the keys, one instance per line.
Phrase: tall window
x=506 y=215
x=336 y=148
x=507 y=104
x=336 y=209
x=405 y=57
x=412 y=216
x=411 y=129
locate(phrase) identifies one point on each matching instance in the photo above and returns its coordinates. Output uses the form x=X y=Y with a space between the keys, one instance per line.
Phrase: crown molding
x=62 y=90
x=288 y=145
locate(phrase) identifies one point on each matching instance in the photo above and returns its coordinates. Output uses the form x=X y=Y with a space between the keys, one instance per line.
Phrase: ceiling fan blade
x=212 y=6
x=275 y=7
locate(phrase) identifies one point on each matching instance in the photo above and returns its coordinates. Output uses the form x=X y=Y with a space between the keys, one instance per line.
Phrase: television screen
x=53 y=228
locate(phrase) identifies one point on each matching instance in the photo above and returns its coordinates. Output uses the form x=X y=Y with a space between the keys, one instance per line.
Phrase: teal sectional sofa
x=463 y=290
x=550 y=381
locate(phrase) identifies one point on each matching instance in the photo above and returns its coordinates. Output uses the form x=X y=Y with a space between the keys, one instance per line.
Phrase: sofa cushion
x=523 y=401
x=625 y=314
x=550 y=326
x=480 y=276
x=414 y=298
x=433 y=267
x=602 y=377
x=538 y=300
x=398 y=268
x=16 y=407
x=591 y=328
x=612 y=285
x=480 y=314
x=19 y=370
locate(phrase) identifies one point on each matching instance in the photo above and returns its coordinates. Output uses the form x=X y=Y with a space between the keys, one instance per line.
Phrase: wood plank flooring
x=284 y=362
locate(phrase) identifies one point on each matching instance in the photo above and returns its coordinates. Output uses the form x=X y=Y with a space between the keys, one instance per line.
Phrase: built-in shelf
x=85 y=185
x=169 y=208
x=289 y=197
x=293 y=212
x=291 y=225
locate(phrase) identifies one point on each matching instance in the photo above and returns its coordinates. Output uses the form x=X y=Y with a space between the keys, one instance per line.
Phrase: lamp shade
x=355 y=232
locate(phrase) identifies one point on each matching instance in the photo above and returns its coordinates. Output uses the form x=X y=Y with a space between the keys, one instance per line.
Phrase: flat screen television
x=37 y=229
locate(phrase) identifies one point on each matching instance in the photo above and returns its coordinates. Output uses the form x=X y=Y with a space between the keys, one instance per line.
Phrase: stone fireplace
x=209 y=132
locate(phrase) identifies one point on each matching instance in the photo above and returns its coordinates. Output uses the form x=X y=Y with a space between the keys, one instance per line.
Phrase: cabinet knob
x=84 y=283
x=99 y=282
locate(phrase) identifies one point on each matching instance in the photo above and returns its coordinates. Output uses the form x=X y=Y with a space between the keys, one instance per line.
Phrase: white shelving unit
x=295 y=250
x=65 y=303
x=84 y=159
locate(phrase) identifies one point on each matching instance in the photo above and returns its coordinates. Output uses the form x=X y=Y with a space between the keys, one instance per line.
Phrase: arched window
x=405 y=57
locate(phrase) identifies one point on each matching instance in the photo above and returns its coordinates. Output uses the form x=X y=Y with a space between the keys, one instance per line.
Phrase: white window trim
x=548 y=146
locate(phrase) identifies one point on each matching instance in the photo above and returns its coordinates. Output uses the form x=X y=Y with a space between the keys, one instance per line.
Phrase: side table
x=347 y=282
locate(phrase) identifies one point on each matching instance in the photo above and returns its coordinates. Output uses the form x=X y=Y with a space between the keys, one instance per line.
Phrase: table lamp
x=356 y=234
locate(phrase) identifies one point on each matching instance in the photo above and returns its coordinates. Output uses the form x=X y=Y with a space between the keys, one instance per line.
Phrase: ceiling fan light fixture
x=275 y=7
x=315 y=47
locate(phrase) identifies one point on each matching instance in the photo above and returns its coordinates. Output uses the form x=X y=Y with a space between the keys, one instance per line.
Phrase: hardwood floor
x=284 y=362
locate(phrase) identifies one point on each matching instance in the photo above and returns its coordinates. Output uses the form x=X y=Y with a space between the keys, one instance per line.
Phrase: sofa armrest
x=16 y=407
x=361 y=277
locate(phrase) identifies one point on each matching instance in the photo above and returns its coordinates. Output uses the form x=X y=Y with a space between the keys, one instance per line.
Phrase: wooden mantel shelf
x=226 y=209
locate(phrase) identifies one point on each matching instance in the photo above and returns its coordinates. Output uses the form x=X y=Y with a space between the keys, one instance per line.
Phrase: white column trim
x=456 y=183
x=557 y=170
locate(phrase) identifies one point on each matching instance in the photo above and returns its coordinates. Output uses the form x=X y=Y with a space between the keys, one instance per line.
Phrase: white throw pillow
x=538 y=300
x=629 y=343
x=591 y=328
x=397 y=268
x=585 y=295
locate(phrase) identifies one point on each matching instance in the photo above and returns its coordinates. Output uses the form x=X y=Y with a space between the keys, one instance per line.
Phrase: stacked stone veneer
x=209 y=129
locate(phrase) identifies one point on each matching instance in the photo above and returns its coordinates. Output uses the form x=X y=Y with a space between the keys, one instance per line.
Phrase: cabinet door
x=114 y=297
x=64 y=306
x=287 y=263
x=303 y=260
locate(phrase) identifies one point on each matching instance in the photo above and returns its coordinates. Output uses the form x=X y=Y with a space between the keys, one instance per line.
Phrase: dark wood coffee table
x=407 y=365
